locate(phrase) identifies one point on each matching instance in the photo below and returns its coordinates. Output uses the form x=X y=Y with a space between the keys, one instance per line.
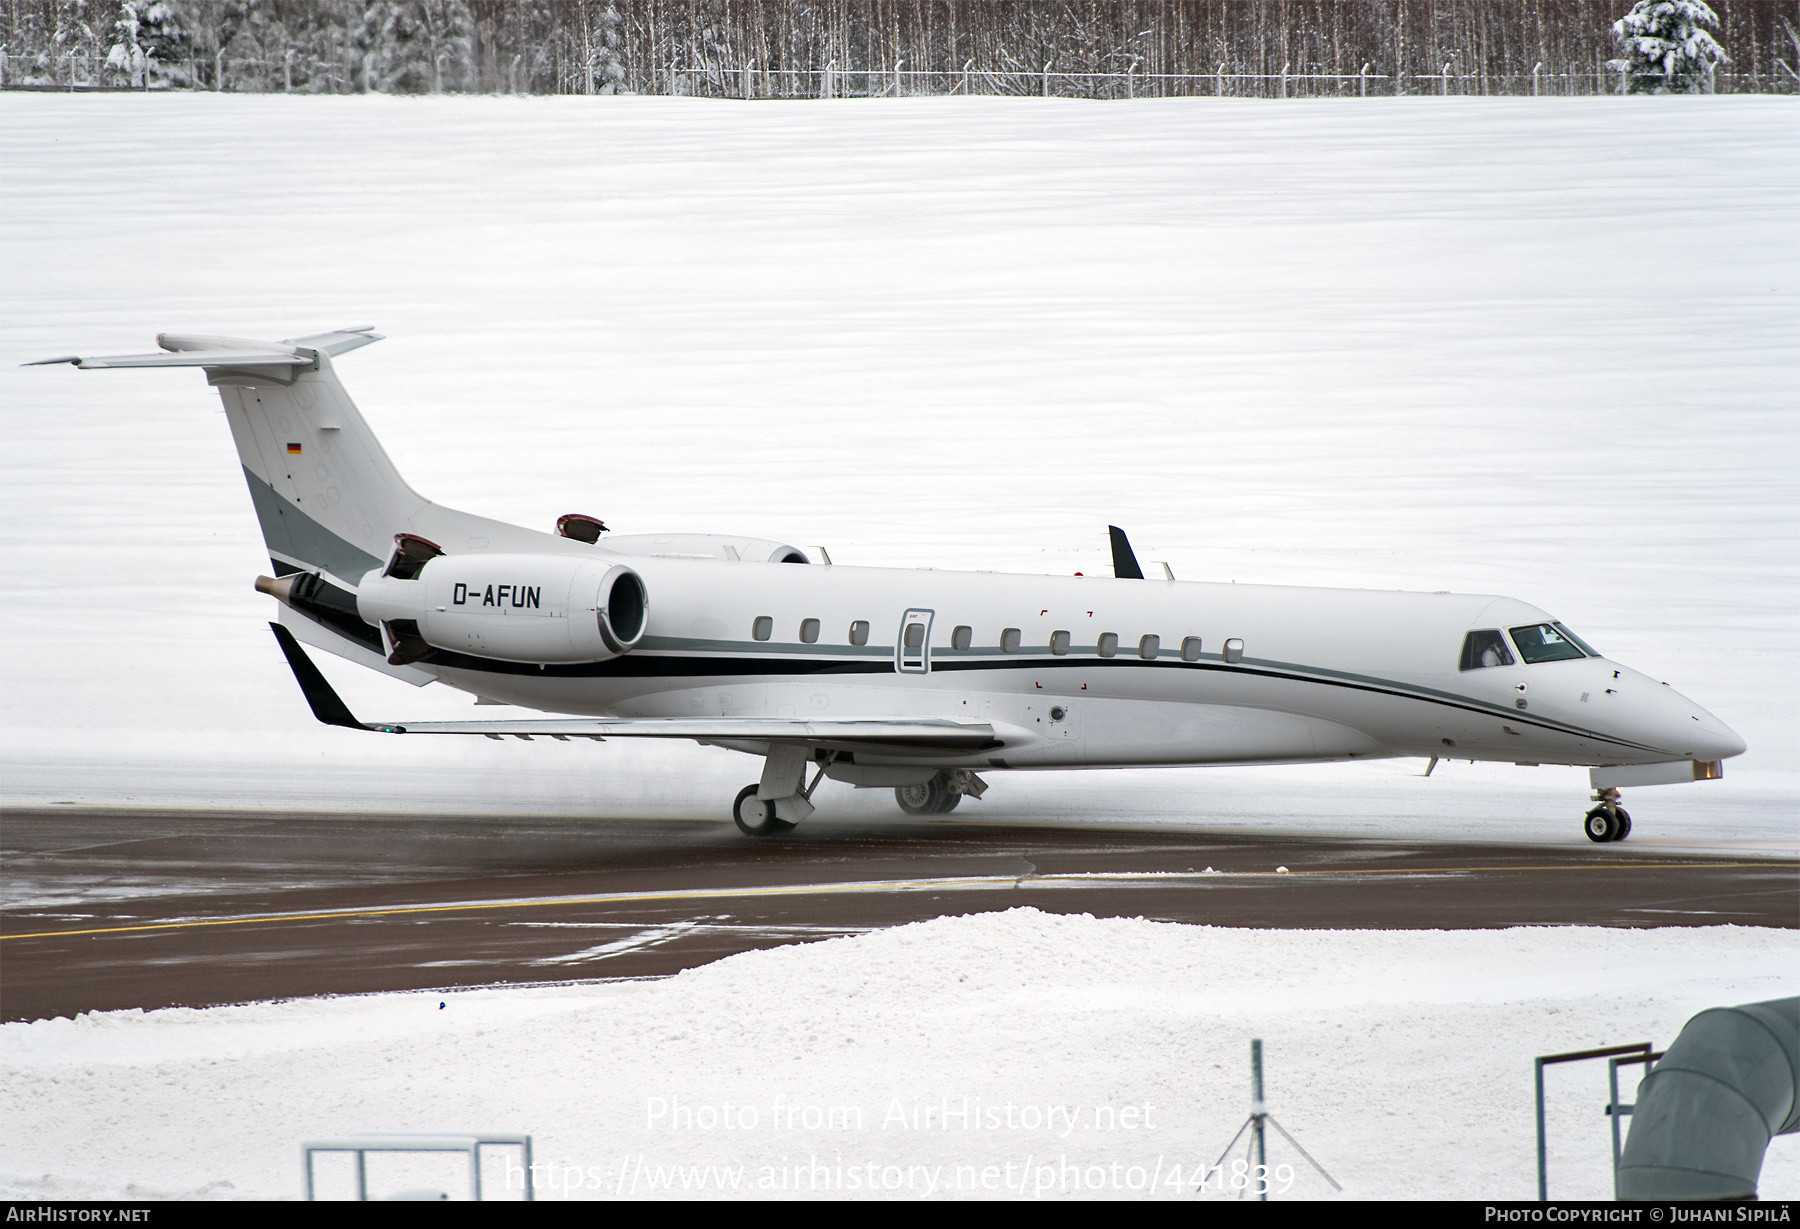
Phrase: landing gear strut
x=1609 y=821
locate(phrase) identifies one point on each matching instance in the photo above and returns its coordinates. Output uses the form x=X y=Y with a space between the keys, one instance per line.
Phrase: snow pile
x=1018 y=1053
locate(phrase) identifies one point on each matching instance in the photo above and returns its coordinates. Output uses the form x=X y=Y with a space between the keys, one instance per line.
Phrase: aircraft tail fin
x=327 y=496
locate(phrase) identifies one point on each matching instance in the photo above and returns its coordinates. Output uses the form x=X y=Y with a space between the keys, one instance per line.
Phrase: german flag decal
x=293 y=450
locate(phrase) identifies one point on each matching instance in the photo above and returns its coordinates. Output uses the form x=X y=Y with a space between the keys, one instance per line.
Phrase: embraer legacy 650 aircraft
x=902 y=678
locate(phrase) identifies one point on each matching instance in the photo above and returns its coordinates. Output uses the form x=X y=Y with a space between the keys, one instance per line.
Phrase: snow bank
x=1116 y=1048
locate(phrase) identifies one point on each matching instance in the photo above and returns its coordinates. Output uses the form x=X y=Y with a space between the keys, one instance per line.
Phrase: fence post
x=1362 y=89
x=825 y=88
x=897 y=64
x=1129 y=92
x=1535 y=70
x=1219 y=80
x=965 y=77
x=1284 y=69
x=1444 y=85
x=1046 y=78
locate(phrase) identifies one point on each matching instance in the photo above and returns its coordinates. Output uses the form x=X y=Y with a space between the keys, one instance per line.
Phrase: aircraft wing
x=906 y=733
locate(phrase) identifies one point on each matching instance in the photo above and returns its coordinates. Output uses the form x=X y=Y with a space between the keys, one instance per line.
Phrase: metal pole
x=362 y=1176
x=1257 y=1114
x=1046 y=78
x=1543 y=1171
x=1612 y=1112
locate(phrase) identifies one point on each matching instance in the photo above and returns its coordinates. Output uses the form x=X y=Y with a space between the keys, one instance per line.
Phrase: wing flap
x=912 y=732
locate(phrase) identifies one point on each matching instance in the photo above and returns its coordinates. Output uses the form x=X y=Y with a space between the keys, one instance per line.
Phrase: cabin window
x=1577 y=641
x=1109 y=644
x=1190 y=649
x=1149 y=647
x=859 y=632
x=1234 y=651
x=915 y=636
x=1059 y=643
x=763 y=628
x=809 y=631
x=961 y=638
x=1009 y=640
x=1485 y=648
x=1542 y=642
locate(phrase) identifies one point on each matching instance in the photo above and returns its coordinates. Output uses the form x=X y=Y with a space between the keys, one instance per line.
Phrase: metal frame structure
x=469 y=1145
x=1642 y=1051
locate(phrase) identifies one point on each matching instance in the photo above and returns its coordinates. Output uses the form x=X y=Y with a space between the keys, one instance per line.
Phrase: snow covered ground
x=1077 y=1057
x=1545 y=348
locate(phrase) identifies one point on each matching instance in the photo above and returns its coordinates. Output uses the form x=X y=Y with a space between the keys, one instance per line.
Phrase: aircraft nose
x=1716 y=740
x=1703 y=736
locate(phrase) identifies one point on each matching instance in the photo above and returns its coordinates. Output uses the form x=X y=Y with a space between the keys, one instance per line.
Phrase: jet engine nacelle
x=539 y=609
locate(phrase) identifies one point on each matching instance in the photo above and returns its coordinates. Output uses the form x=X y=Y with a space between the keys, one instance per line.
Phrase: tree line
x=814 y=48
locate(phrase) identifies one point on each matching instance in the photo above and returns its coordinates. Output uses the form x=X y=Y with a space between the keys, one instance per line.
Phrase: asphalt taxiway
x=117 y=908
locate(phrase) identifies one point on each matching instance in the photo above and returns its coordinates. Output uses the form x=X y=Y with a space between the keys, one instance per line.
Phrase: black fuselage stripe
x=636 y=665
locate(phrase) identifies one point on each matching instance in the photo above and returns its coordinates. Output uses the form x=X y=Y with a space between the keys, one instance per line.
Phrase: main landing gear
x=941 y=794
x=783 y=797
x=755 y=816
x=1609 y=821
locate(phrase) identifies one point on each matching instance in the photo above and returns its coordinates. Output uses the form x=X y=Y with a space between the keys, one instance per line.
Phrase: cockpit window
x=1579 y=643
x=1485 y=648
x=1542 y=642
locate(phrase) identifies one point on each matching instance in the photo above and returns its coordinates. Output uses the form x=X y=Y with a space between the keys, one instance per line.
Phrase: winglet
x=326 y=704
x=1125 y=564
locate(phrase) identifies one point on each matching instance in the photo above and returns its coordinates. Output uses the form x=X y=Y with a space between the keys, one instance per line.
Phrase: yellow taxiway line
x=1080 y=879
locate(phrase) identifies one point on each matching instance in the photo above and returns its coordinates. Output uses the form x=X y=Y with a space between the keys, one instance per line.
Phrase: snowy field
x=1118 y=1050
x=1546 y=348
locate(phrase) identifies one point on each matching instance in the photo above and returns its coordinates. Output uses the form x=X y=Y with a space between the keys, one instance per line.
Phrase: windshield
x=1581 y=644
x=1543 y=642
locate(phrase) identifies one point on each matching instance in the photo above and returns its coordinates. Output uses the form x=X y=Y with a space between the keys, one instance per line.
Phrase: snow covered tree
x=605 y=68
x=1666 y=50
x=166 y=35
x=126 y=63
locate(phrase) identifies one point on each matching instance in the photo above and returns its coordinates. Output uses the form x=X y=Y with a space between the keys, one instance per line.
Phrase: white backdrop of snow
x=1426 y=344
x=1402 y=1061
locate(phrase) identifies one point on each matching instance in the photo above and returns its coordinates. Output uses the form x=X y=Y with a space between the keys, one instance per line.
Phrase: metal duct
x=1705 y=1115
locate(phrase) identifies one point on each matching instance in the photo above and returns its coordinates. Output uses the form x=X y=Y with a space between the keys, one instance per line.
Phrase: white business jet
x=909 y=679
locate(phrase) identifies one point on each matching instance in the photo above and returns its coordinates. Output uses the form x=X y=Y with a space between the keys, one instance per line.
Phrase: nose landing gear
x=1609 y=821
